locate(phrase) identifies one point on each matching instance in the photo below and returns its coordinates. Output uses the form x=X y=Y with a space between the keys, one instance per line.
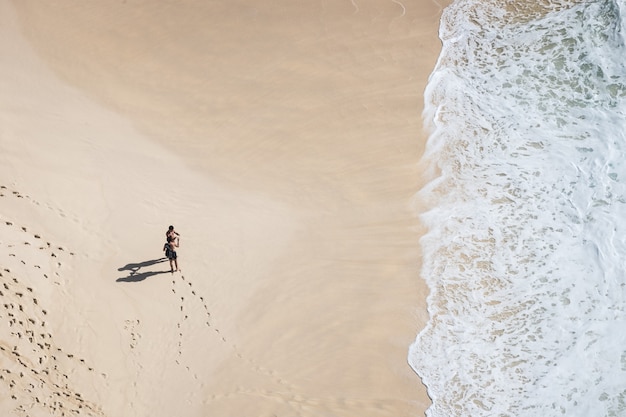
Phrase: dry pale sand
x=281 y=139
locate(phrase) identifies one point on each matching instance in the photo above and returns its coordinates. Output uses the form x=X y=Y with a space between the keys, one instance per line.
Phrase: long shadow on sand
x=134 y=269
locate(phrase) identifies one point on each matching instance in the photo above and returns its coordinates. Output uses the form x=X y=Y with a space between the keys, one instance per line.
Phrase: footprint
x=196 y=298
x=130 y=326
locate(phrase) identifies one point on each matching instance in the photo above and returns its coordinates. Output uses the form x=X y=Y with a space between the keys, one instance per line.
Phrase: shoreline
x=299 y=249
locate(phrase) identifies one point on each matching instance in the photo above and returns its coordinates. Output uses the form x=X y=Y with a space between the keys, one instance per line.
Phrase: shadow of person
x=136 y=276
x=141 y=276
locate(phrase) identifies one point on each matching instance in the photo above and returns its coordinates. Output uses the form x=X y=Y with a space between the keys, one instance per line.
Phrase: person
x=171 y=232
x=170 y=252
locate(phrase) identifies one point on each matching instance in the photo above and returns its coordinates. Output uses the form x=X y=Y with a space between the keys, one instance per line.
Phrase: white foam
x=525 y=254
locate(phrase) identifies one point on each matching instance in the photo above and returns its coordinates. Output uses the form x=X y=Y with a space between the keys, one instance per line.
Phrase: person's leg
x=172 y=265
x=176 y=263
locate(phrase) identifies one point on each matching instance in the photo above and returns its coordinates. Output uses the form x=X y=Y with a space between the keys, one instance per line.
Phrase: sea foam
x=525 y=255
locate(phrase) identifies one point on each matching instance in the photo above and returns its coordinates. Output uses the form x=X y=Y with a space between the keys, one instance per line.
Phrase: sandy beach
x=282 y=140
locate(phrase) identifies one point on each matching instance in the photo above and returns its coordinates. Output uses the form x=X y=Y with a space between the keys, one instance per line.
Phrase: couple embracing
x=173 y=239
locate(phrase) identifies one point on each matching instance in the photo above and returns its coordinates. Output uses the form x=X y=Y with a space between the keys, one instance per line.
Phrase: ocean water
x=525 y=255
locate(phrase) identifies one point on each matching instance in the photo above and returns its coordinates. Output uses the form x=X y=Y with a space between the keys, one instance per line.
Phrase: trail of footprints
x=187 y=295
x=131 y=329
x=5 y=192
x=34 y=369
x=34 y=364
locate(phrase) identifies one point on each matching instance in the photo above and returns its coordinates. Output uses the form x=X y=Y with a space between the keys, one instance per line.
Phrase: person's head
x=171 y=228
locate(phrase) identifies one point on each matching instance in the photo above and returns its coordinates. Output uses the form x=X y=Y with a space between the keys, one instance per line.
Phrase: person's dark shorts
x=172 y=255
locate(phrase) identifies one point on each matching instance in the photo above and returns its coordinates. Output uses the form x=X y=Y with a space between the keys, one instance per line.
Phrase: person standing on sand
x=170 y=251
